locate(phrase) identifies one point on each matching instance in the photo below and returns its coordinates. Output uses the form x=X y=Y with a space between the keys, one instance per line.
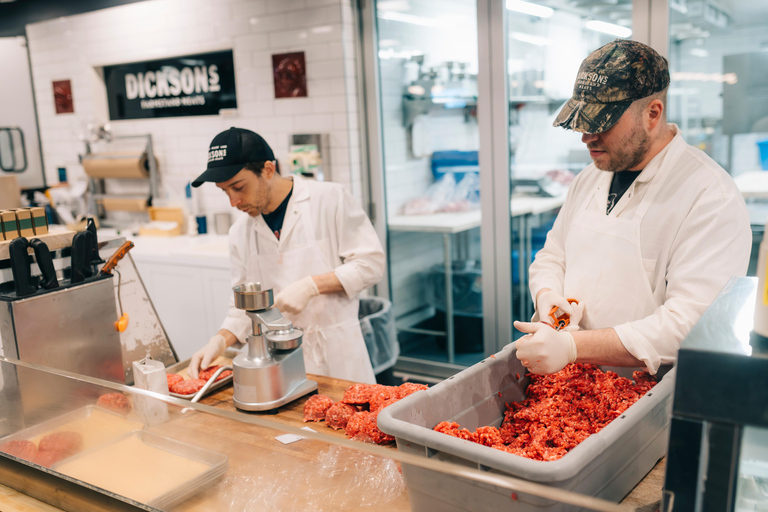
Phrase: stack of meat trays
x=607 y=464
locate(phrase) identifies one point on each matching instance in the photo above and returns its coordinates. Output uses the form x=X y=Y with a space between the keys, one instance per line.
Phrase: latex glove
x=547 y=300
x=578 y=314
x=545 y=350
x=206 y=355
x=295 y=297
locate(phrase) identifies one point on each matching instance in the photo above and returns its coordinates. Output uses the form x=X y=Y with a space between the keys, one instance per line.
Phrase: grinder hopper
x=272 y=373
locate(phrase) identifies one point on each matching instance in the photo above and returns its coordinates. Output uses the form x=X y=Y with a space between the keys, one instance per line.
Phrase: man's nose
x=234 y=200
x=586 y=138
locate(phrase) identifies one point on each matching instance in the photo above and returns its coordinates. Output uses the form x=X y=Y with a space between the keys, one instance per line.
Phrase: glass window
x=547 y=42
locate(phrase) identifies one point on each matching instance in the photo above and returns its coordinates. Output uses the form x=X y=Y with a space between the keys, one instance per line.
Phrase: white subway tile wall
x=70 y=48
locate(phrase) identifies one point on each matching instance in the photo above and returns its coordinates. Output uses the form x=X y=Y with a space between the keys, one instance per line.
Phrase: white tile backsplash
x=70 y=47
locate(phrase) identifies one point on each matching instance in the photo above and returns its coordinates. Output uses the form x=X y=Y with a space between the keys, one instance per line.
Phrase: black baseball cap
x=230 y=151
x=609 y=80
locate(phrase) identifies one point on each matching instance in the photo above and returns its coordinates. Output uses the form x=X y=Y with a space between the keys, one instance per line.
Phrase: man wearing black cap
x=310 y=242
x=649 y=234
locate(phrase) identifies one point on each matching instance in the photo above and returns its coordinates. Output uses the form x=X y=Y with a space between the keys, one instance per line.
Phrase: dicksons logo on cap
x=216 y=153
x=587 y=80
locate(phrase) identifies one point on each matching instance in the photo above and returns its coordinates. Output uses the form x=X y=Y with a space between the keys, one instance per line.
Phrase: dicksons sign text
x=194 y=85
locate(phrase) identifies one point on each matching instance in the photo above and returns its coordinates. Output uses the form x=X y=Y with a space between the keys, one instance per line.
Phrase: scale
x=272 y=373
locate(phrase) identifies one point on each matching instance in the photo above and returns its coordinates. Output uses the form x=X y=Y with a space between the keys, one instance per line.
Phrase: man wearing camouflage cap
x=649 y=234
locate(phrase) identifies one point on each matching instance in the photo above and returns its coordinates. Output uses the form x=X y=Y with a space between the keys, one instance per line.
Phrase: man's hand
x=547 y=299
x=575 y=319
x=295 y=297
x=545 y=350
x=206 y=355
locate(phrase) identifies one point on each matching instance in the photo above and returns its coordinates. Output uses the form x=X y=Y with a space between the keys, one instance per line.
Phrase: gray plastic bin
x=377 y=322
x=605 y=465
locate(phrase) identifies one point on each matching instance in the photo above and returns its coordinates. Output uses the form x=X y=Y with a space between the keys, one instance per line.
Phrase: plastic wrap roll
x=116 y=165
x=124 y=204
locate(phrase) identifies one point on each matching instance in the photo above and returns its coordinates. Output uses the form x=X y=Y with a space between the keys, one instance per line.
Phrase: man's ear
x=269 y=170
x=654 y=113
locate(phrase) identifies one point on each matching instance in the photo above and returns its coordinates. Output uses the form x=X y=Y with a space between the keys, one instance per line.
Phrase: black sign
x=193 y=85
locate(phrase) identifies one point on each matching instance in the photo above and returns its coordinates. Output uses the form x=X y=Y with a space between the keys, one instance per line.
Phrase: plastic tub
x=606 y=465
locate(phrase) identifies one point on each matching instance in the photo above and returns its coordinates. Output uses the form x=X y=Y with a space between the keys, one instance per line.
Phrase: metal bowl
x=251 y=297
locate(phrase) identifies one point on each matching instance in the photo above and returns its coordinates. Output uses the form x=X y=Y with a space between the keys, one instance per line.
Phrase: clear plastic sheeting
x=446 y=195
x=377 y=322
x=339 y=479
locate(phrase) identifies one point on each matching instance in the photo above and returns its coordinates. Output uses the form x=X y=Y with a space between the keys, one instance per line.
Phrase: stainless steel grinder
x=272 y=373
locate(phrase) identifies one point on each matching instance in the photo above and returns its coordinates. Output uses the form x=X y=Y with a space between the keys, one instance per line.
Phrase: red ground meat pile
x=560 y=411
x=316 y=407
x=173 y=378
x=358 y=410
x=187 y=387
x=115 y=402
x=22 y=449
x=208 y=373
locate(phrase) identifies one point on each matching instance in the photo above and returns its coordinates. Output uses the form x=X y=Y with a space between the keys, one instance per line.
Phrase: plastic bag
x=377 y=322
x=445 y=195
x=339 y=479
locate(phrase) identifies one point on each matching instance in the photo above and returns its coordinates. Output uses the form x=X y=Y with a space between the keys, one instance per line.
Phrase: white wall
x=71 y=47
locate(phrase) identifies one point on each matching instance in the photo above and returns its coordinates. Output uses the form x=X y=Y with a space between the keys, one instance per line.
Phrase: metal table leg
x=449 y=295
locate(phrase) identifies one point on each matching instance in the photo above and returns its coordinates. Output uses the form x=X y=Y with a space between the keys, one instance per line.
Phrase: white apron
x=604 y=262
x=333 y=343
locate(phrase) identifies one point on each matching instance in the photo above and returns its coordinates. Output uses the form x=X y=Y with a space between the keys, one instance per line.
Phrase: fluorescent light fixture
x=530 y=39
x=541 y=11
x=416 y=20
x=608 y=28
x=416 y=90
x=393 y=5
x=699 y=52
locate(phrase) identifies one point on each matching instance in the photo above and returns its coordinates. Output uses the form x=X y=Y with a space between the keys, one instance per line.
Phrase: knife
x=22 y=280
x=45 y=262
x=80 y=246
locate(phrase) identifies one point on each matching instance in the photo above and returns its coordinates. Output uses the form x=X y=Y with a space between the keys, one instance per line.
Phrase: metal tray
x=56 y=423
x=183 y=365
x=217 y=465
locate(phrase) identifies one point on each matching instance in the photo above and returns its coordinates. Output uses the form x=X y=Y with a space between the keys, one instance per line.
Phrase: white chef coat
x=694 y=236
x=342 y=231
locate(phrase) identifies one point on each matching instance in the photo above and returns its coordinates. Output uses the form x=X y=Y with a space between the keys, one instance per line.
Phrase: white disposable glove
x=547 y=300
x=295 y=297
x=545 y=350
x=578 y=314
x=206 y=355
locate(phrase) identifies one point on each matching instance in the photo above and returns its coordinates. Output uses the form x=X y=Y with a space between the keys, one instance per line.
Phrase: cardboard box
x=39 y=220
x=10 y=227
x=24 y=222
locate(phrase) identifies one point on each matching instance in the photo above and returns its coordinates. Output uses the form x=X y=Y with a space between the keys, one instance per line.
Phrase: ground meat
x=338 y=415
x=316 y=407
x=358 y=394
x=381 y=395
x=115 y=402
x=22 y=449
x=560 y=411
x=187 y=387
x=48 y=459
x=67 y=443
x=356 y=424
x=373 y=432
x=409 y=388
x=173 y=378
x=208 y=373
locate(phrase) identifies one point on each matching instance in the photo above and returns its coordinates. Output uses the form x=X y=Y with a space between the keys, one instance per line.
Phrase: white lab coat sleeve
x=236 y=320
x=713 y=245
x=548 y=268
x=360 y=250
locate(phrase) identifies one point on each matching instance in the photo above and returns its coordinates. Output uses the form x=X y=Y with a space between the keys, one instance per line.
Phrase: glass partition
x=107 y=445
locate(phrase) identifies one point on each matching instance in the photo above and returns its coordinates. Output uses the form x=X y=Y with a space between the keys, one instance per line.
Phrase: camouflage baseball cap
x=609 y=80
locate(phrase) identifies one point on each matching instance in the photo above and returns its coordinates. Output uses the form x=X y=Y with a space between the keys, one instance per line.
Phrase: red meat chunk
x=208 y=373
x=409 y=388
x=359 y=394
x=356 y=424
x=337 y=416
x=26 y=450
x=115 y=402
x=316 y=407
x=173 y=378
x=66 y=443
x=187 y=387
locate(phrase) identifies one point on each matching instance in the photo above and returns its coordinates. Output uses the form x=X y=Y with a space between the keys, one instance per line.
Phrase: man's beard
x=628 y=153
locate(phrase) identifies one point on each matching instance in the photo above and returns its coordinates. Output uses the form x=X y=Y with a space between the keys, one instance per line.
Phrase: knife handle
x=79 y=249
x=22 y=278
x=45 y=262
x=115 y=258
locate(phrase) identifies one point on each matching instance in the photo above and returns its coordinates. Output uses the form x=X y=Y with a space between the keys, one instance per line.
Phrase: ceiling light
x=393 y=5
x=699 y=52
x=530 y=8
x=418 y=20
x=608 y=28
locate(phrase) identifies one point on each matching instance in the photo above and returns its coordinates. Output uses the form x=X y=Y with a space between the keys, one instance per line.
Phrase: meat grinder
x=272 y=373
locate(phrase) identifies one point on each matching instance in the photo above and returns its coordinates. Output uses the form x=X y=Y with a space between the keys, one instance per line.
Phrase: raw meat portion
x=338 y=415
x=372 y=431
x=67 y=443
x=187 y=387
x=316 y=407
x=115 y=402
x=356 y=424
x=173 y=378
x=560 y=411
x=358 y=394
x=381 y=395
x=409 y=388
x=22 y=449
x=48 y=459
x=208 y=373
